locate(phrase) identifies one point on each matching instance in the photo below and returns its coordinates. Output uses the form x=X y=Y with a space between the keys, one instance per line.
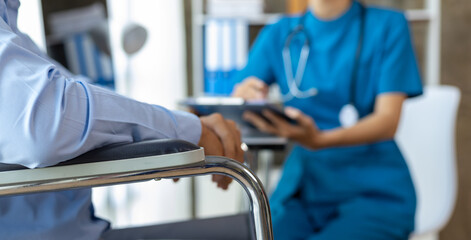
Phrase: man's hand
x=221 y=137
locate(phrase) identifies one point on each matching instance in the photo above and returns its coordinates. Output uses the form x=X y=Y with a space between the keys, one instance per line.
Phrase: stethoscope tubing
x=294 y=81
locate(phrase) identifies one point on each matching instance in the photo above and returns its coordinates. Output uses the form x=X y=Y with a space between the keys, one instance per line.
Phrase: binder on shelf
x=225 y=53
x=72 y=30
x=211 y=56
x=85 y=58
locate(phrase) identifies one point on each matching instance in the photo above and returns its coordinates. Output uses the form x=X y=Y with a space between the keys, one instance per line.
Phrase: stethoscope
x=348 y=114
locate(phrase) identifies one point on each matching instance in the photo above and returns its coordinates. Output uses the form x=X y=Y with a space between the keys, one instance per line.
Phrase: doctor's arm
x=251 y=88
x=379 y=125
x=258 y=73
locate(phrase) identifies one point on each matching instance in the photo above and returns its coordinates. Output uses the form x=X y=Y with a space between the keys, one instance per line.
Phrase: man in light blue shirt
x=47 y=116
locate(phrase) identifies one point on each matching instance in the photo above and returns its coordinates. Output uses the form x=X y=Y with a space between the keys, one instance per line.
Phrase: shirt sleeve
x=48 y=117
x=399 y=71
x=258 y=63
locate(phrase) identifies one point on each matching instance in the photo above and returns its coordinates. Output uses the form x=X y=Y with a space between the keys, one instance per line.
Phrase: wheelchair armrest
x=133 y=150
x=122 y=151
x=108 y=162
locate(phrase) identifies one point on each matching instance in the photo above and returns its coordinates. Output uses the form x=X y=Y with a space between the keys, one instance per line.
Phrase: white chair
x=426 y=136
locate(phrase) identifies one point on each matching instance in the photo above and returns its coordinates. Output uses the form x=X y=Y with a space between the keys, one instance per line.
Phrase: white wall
x=157 y=75
x=30 y=21
x=157 y=72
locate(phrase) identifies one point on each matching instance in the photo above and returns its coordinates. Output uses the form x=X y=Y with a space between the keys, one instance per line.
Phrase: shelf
x=260 y=19
x=414 y=15
x=418 y=15
x=53 y=39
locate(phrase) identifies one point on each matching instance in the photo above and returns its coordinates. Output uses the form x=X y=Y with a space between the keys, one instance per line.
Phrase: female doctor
x=344 y=71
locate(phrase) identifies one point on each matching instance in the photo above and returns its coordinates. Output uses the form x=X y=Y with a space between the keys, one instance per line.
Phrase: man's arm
x=48 y=117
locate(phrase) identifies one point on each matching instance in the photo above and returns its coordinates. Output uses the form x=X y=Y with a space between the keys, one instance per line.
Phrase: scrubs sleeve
x=399 y=71
x=259 y=64
x=48 y=117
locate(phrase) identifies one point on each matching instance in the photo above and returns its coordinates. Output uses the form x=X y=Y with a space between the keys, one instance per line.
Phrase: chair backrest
x=426 y=136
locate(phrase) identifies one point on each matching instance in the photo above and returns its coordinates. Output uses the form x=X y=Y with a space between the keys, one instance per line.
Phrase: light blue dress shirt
x=47 y=115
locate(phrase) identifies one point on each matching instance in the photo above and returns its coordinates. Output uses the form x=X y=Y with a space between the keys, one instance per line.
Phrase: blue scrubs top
x=387 y=64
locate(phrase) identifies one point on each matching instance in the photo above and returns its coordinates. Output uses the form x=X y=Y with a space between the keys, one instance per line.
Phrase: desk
x=257 y=143
x=271 y=143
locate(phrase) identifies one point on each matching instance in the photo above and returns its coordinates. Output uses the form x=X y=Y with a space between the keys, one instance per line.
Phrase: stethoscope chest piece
x=348 y=115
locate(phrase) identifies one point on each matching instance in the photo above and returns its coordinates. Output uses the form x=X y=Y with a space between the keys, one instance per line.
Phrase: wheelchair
x=142 y=161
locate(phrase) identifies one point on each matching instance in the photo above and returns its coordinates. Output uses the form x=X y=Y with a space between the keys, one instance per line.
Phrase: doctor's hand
x=222 y=138
x=305 y=131
x=251 y=88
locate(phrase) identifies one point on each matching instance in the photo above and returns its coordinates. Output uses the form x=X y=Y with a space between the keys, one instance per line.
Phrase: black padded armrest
x=133 y=150
x=123 y=151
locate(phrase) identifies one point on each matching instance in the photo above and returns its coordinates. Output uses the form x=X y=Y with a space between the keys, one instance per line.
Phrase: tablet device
x=234 y=108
